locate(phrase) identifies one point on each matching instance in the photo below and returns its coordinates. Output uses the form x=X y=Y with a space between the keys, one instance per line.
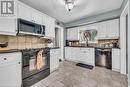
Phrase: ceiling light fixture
x=69 y=4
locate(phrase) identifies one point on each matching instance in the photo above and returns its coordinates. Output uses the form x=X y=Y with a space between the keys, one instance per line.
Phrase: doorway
x=57 y=37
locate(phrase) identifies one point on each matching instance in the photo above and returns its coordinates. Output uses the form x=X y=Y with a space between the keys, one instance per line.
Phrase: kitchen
x=43 y=48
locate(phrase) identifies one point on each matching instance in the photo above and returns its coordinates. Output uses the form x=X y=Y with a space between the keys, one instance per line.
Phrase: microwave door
x=25 y=27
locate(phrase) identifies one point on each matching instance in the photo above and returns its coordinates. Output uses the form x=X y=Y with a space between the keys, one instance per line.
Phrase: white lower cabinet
x=54 y=59
x=81 y=55
x=68 y=53
x=10 y=69
x=116 y=60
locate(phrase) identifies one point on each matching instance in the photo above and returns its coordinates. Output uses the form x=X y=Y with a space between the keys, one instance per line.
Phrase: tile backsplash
x=101 y=43
x=22 y=42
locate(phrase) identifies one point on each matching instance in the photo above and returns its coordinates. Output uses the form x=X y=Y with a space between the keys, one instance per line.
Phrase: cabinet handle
x=19 y=62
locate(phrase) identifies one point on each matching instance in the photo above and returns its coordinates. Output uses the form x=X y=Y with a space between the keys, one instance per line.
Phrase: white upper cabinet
x=24 y=12
x=49 y=23
x=113 y=28
x=72 y=33
x=36 y=17
x=27 y=13
x=108 y=29
x=102 y=30
x=8 y=27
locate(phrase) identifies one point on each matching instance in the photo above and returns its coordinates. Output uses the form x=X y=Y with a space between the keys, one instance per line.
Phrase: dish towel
x=39 y=60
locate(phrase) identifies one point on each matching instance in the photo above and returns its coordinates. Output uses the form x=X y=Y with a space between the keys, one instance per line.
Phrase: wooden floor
x=70 y=75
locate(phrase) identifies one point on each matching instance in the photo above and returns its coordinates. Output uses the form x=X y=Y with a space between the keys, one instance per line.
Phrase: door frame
x=124 y=13
x=62 y=40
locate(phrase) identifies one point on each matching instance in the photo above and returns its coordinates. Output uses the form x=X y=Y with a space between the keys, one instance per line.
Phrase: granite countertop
x=92 y=47
x=54 y=47
x=9 y=50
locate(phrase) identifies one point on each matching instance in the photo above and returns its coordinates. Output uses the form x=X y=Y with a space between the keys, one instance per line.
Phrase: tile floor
x=69 y=75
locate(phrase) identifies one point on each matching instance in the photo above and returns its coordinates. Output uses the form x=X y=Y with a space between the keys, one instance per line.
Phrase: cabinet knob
x=5 y=58
x=19 y=62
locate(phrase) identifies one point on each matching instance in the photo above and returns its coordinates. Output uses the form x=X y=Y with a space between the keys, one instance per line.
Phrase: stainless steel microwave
x=30 y=28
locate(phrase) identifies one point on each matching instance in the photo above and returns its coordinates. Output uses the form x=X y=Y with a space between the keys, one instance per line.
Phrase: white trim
x=123 y=38
x=125 y=11
x=122 y=17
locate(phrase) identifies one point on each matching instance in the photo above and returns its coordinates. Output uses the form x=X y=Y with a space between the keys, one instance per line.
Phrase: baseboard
x=117 y=70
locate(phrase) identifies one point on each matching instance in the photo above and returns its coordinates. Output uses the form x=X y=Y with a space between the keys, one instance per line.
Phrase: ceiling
x=82 y=8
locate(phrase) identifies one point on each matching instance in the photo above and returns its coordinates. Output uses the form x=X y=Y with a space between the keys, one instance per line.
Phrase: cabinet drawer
x=55 y=52
x=10 y=57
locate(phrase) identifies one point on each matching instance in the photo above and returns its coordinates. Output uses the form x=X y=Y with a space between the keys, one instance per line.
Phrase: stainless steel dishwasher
x=103 y=57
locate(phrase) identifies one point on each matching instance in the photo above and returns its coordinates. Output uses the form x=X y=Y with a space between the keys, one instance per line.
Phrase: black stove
x=31 y=76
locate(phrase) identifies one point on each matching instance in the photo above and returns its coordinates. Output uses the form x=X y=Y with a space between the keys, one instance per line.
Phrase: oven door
x=29 y=65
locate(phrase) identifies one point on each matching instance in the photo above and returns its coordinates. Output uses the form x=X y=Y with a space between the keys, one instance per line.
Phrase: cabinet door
x=24 y=12
x=87 y=56
x=102 y=30
x=72 y=33
x=54 y=59
x=10 y=70
x=116 y=59
x=68 y=53
x=75 y=53
x=91 y=56
x=8 y=26
x=37 y=17
x=113 y=29
x=69 y=34
x=49 y=26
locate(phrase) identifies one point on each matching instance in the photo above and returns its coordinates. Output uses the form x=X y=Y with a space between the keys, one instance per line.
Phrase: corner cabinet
x=80 y=55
